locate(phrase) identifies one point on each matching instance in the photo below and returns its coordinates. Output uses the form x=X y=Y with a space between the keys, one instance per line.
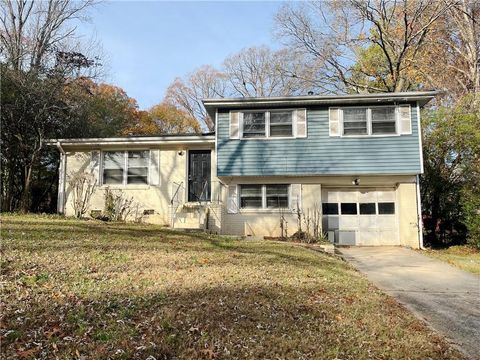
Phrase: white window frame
x=125 y=168
x=267 y=124
x=264 y=198
x=368 y=110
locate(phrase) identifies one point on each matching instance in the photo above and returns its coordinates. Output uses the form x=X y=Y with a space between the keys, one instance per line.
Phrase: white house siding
x=402 y=230
x=173 y=170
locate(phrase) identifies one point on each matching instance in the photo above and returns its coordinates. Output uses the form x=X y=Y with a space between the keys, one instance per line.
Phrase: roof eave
x=157 y=140
x=422 y=97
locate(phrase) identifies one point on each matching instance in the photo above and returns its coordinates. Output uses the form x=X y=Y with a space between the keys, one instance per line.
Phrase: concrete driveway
x=446 y=297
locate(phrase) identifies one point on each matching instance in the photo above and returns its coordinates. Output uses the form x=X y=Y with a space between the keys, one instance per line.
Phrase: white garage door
x=360 y=216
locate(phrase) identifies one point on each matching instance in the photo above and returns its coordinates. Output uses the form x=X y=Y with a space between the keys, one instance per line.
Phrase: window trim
x=267 y=124
x=369 y=133
x=264 y=198
x=125 y=168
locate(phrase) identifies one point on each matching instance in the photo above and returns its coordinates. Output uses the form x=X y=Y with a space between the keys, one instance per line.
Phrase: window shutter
x=405 y=119
x=95 y=166
x=154 y=167
x=301 y=123
x=234 y=124
x=334 y=122
x=295 y=197
x=232 y=201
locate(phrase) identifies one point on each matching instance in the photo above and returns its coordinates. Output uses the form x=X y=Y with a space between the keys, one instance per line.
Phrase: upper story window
x=125 y=167
x=281 y=123
x=267 y=124
x=380 y=120
x=355 y=121
x=254 y=124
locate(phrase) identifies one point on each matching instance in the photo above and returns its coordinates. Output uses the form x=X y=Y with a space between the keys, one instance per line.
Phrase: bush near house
x=77 y=289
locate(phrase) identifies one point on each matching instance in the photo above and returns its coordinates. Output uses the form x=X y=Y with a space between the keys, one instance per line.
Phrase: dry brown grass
x=84 y=289
x=464 y=257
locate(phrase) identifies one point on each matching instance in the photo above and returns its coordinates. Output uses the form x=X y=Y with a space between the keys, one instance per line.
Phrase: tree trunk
x=25 y=197
x=434 y=219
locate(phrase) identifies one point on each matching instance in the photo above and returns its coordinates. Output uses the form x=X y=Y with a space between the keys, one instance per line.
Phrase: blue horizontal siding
x=318 y=154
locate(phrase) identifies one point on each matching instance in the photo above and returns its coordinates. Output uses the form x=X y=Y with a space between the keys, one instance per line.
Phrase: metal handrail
x=203 y=190
x=176 y=192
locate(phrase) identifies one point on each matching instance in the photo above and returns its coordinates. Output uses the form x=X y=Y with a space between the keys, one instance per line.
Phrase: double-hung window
x=267 y=124
x=381 y=120
x=355 y=121
x=274 y=196
x=113 y=167
x=125 y=167
x=280 y=124
x=251 y=196
x=384 y=120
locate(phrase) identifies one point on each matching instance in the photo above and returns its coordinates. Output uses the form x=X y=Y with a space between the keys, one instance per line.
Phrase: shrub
x=83 y=186
x=471 y=212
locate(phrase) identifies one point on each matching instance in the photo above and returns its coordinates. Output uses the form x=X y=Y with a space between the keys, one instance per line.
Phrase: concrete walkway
x=446 y=297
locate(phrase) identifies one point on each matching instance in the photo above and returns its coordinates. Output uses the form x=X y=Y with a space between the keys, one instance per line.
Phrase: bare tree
x=465 y=41
x=256 y=71
x=33 y=32
x=260 y=71
x=452 y=59
x=335 y=36
x=187 y=94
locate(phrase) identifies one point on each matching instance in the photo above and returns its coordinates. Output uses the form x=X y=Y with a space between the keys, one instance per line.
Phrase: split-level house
x=349 y=163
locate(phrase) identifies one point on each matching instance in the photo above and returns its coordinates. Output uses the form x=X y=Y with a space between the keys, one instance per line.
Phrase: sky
x=148 y=44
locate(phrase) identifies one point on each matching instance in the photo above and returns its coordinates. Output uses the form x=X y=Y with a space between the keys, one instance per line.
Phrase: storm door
x=199 y=175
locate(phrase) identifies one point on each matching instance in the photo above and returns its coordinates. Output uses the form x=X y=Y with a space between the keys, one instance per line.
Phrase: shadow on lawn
x=282 y=321
x=55 y=236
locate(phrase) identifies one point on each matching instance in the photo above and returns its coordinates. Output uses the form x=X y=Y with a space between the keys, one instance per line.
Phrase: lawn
x=466 y=258
x=85 y=289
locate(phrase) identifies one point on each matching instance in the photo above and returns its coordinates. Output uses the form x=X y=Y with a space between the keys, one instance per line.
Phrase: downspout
x=419 y=214
x=61 y=179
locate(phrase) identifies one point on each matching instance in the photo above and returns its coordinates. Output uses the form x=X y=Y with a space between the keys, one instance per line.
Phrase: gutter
x=134 y=141
x=61 y=179
x=422 y=97
x=419 y=214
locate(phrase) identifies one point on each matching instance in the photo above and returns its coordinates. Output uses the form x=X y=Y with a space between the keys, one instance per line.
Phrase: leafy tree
x=37 y=61
x=450 y=187
x=104 y=109
x=163 y=118
x=335 y=35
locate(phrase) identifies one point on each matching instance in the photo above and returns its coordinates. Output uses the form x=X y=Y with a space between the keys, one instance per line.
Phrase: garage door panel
x=331 y=196
x=348 y=222
x=330 y=222
x=368 y=227
x=367 y=196
x=386 y=222
x=367 y=222
x=348 y=196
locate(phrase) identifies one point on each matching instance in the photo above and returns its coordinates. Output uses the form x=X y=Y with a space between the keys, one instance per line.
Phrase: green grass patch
x=464 y=257
x=75 y=289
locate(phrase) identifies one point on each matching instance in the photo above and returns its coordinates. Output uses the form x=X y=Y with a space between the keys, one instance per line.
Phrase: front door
x=199 y=175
